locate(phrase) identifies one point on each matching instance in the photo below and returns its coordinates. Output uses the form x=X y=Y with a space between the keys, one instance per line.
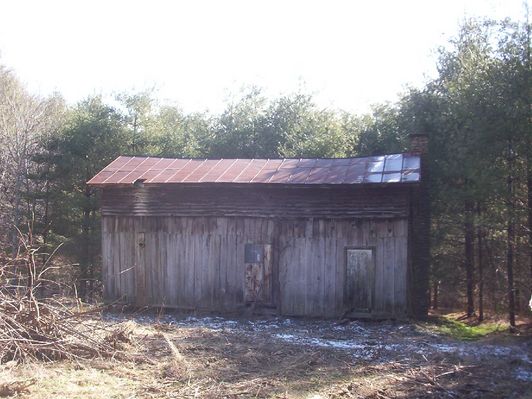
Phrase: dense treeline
x=476 y=113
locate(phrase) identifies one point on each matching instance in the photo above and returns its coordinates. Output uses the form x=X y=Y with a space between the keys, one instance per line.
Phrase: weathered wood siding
x=197 y=262
x=285 y=201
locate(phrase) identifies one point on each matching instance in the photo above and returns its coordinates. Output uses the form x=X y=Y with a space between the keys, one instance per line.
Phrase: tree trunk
x=528 y=100
x=435 y=288
x=510 y=239
x=480 y=267
x=16 y=211
x=85 y=250
x=529 y=204
x=469 y=255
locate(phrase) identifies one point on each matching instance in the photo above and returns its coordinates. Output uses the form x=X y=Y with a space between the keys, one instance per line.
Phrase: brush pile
x=43 y=328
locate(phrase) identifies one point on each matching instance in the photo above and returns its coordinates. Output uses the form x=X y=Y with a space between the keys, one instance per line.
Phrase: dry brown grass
x=37 y=328
x=166 y=361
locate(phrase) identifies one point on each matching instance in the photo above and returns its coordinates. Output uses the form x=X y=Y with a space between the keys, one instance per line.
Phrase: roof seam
x=178 y=170
x=118 y=170
x=276 y=170
x=294 y=171
x=207 y=172
x=243 y=170
x=261 y=169
x=122 y=179
x=225 y=171
x=193 y=170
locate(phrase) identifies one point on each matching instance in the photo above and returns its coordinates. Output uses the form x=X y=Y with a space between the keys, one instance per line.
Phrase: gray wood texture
x=193 y=262
x=289 y=201
x=360 y=272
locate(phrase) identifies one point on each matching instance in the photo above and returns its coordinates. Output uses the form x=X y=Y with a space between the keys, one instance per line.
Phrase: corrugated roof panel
x=233 y=171
x=118 y=163
x=181 y=174
x=342 y=161
x=299 y=175
x=167 y=168
x=393 y=168
x=100 y=177
x=289 y=163
x=281 y=176
x=215 y=173
x=267 y=171
x=149 y=175
x=264 y=176
x=179 y=164
x=251 y=171
x=307 y=163
x=131 y=164
x=164 y=175
x=131 y=177
x=198 y=173
x=117 y=176
x=336 y=174
x=317 y=175
x=355 y=173
x=324 y=162
x=358 y=161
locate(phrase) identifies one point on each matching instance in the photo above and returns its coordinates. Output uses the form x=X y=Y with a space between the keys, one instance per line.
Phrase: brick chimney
x=419 y=143
x=419 y=233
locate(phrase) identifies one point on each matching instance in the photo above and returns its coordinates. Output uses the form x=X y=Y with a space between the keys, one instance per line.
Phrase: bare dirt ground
x=212 y=357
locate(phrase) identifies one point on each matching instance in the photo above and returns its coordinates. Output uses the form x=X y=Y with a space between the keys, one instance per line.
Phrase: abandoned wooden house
x=305 y=237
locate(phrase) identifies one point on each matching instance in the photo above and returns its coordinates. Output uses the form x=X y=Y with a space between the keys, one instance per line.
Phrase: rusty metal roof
x=395 y=168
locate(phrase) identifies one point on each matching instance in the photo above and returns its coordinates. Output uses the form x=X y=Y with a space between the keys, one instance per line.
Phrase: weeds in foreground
x=459 y=330
x=44 y=329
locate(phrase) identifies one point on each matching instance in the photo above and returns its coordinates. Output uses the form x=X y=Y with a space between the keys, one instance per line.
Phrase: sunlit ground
x=211 y=357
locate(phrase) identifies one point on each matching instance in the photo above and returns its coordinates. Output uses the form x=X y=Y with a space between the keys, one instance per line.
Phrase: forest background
x=476 y=112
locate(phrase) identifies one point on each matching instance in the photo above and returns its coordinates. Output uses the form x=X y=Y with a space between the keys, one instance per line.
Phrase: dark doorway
x=360 y=269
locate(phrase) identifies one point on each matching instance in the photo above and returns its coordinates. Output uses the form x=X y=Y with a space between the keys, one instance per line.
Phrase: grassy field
x=210 y=357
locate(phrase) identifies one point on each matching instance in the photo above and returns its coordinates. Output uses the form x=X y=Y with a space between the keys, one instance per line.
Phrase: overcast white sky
x=350 y=54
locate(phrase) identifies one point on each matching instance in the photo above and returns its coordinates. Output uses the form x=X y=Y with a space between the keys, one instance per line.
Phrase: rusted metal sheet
x=394 y=168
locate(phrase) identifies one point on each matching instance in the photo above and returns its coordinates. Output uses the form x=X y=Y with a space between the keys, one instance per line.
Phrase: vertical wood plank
x=389 y=270
x=140 y=270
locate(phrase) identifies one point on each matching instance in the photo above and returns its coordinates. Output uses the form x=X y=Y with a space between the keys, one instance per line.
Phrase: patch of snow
x=376 y=341
x=523 y=375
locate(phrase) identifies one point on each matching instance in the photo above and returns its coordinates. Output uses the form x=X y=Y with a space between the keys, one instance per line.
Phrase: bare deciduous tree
x=25 y=120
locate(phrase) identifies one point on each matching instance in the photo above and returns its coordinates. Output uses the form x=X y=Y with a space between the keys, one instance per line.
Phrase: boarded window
x=253 y=253
x=360 y=266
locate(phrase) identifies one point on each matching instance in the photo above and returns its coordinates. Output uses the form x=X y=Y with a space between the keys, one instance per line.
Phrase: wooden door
x=360 y=269
x=258 y=284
